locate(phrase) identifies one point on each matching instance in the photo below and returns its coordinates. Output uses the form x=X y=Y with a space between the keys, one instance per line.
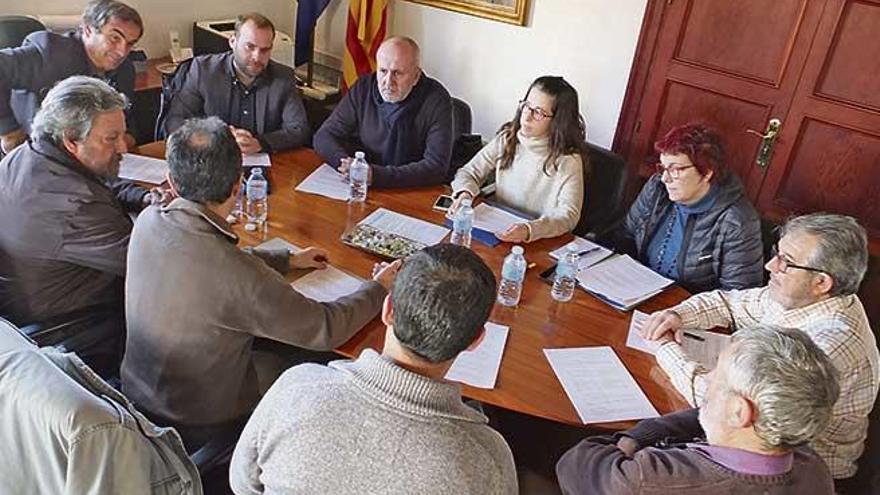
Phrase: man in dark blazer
x=257 y=97
x=99 y=48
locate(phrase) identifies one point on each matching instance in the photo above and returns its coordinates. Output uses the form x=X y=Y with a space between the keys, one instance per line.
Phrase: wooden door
x=731 y=64
x=828 y=152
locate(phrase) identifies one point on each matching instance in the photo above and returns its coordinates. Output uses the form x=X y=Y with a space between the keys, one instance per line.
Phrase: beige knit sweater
x=555 y=200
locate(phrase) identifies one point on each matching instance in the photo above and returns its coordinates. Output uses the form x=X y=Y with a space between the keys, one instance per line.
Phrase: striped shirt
x=839 y=327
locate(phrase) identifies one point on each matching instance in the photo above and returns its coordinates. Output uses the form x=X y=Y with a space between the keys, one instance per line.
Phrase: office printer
x=213 y=37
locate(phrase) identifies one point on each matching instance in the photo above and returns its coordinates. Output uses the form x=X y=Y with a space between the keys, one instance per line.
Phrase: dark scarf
x=401 y=145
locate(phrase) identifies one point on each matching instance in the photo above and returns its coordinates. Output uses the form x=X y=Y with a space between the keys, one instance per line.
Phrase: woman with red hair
x=692 y=221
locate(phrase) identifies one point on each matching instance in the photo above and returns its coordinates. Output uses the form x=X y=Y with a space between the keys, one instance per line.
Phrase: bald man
x=399 y=117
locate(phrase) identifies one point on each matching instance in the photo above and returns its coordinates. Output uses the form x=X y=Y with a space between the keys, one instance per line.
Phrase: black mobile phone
x=549 y=275
x=443 y=203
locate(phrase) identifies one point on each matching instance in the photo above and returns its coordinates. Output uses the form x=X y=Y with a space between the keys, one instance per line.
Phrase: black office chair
x=603 y=209
x=15 y=28
x=171 y=85
x=464 y=145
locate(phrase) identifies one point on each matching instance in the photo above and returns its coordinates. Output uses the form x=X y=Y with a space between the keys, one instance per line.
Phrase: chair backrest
x=603 y=209
x=171 y=85
x=15 y=28
x=461 y=118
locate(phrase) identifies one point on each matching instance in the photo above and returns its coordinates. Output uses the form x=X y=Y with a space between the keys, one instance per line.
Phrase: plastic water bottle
x=358 y=174
x=512 y=274
x=237 y=213
x=257 y=200
x=462 y=224
x=566 y=275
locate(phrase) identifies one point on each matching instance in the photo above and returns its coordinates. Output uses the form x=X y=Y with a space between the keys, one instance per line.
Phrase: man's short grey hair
x=791 y=382
x=71 y=106
x=842 y=251
x=204 y=160
x=411 y=43
x=99 y=12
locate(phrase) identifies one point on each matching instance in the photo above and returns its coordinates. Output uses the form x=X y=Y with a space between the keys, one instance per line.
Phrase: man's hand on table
x=518 y=232
x=385 y=273
x=159 y=196
x=310 y=257
x=662 y=326
x=345 y=166
x=247 y=143
x=11 y=140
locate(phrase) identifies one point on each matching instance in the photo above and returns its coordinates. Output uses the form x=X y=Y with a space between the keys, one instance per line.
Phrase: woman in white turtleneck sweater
x=537 y=159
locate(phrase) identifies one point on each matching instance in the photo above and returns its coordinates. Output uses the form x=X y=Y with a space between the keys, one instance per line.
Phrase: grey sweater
x=368 y=426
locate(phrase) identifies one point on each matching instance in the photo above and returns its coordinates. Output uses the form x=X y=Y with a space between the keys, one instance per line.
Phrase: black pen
x=695 y=337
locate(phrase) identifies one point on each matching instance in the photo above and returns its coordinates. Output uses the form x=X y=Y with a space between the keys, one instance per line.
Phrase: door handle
x=768 y=139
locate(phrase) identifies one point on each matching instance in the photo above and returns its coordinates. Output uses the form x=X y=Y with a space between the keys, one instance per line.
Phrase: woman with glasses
x=538 y=161
x=692 y=221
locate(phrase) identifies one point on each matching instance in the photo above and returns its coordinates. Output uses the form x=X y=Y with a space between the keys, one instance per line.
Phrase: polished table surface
x=526 y=382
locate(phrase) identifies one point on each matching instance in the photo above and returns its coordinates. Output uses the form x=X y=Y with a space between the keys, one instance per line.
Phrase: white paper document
x=622 y=281
x=277 y=243
x=479 y=367
x=327 y=284
x=590 y=252
x=256 y=160
x=704 y=346
x=599 y=385
x=325 y=181
x=492 y=219
x=143 y=168
x=634 y=340
x=405 y=226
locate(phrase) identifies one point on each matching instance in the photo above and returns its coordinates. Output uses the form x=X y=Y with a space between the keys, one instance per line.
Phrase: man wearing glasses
x=815 y=272
x=99 y=48
x=399 y=117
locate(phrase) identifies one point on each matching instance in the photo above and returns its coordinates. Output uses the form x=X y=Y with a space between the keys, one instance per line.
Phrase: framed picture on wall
x=509 y=11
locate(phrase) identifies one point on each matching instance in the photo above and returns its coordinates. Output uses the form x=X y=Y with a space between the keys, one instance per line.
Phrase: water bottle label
x=565 y=270
x=511 y=271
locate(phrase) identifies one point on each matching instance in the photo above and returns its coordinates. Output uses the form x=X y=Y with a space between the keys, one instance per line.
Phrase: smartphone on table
x=442 y=203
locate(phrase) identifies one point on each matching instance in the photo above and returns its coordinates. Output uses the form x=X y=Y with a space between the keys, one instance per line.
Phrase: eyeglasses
x=673 y=171
x=784 y=264
x=536 y=113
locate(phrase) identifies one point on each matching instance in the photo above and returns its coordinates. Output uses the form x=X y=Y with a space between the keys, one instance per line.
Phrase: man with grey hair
x=255 y=95
x=770 y=394
x=99 y=48
x=212 y=329
x=815 y=272
x=399 y=117
x=64 y=216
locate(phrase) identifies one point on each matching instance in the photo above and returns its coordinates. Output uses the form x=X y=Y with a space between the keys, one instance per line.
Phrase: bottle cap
x=517 y=250
x=359 y=154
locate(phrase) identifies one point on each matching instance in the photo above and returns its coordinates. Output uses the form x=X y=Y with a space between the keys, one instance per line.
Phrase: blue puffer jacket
x=721 y=248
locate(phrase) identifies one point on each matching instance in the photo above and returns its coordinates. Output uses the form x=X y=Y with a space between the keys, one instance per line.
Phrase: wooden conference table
x=526 y=382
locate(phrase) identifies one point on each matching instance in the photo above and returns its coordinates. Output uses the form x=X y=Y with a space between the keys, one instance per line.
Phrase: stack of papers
x=599 y=385
x=143 y=168
x=256 y=160
x=328 y=284
x=479 y=367
x=492 y=219
x=622 y=282
x=401 y=225
x=325 y=181
x=590 y=252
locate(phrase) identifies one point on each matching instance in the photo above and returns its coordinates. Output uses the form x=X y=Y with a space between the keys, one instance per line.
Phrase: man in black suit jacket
x=99 y=48
x=257 y=97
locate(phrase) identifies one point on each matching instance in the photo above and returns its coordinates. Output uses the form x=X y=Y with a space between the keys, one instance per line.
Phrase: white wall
x=486 y=63
x=490 y=64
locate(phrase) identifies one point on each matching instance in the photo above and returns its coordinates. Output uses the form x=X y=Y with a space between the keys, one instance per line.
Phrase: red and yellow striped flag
x=363 y=35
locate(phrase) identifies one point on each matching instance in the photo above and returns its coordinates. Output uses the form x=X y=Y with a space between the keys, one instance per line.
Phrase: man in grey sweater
x=770 y=394
x=207 y=322
x=386 y=423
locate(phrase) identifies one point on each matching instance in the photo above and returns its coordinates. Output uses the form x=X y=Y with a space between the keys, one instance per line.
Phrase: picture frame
x=508 y=11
